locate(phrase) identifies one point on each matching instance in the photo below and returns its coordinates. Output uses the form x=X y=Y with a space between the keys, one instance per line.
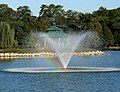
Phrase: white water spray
x=67 y=46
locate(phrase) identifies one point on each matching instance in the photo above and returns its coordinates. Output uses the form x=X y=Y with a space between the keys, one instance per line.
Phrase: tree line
x=15 y=25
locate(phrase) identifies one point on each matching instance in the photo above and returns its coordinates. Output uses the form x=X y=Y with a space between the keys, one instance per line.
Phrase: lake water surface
x=62 y=82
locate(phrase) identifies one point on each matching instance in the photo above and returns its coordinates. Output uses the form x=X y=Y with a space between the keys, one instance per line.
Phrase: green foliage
x=21 y=31
x=7 y=12
x=51 y=10
x=101 y=12
x=90 y=26
x=42 y=24
x=6 y=35
x=21 y=22
x=23 y=11
x=108 y=36
x=98 y=27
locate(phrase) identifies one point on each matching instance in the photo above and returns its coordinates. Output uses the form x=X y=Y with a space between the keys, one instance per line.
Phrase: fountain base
x=61 y=70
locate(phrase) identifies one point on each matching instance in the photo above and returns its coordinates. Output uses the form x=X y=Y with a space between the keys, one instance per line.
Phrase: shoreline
x=47 y=54
x=113 y=48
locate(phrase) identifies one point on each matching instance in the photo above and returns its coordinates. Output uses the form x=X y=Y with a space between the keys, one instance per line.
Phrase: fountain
x=67 y=47
x=64 y=49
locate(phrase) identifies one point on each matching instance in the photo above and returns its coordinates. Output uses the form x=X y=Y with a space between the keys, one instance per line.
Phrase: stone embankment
x=89 y=53
x=47 y=54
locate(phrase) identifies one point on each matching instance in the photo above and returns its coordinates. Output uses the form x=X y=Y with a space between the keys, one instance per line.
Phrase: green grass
x=34 y=50
x=23 y=50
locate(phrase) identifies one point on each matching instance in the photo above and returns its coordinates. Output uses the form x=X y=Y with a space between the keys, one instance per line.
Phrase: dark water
x=62 y=82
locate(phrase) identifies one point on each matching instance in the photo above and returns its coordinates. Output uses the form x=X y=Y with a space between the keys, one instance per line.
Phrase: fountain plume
x=66 y=49
x=69 y=44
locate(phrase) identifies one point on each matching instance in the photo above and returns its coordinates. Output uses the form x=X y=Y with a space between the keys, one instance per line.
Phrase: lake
x=62 y=82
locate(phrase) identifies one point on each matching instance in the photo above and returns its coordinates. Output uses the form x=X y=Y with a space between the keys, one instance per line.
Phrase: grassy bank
x=23 y=50
x=34 y=50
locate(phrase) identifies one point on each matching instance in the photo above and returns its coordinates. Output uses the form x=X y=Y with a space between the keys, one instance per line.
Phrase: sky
x=84 y=6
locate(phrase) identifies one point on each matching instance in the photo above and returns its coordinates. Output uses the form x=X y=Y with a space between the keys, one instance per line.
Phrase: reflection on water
x=30 y=62
x=62 y=82
x=111 y=60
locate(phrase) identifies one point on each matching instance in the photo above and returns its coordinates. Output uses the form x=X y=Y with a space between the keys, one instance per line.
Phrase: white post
x=68 y=40
x=44 y=42
x=59 y=42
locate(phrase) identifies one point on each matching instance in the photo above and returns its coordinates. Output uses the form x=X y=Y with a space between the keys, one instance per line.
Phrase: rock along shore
x=47 y=54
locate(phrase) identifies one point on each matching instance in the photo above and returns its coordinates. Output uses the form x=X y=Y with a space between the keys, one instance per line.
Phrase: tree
x=98 y=27
x=6 y=35
x=23 y=11
x=21 y=31
x=101 y=12
x=7 y=13
x=31 y=21
x=23 y=22
x=90 y=26
x=114 y=13
x=115 y=27
x=42 y=24
x=47 y=13
x=51 y=10
x=108 y=36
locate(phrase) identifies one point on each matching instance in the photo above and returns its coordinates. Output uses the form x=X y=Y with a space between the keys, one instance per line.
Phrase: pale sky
x=78 y=5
